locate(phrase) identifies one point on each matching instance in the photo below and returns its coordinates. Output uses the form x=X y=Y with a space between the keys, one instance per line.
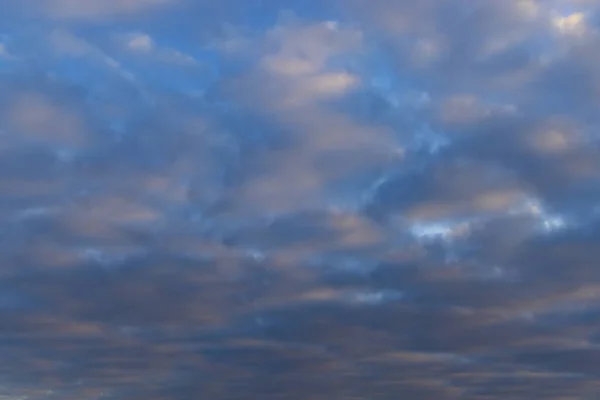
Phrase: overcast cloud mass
x=299 y=199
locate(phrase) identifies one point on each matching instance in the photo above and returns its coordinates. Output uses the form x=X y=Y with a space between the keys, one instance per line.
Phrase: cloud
x=140 y=42
x=358 y=198
x=143 y=44
x=34 y=116
x=321 y=147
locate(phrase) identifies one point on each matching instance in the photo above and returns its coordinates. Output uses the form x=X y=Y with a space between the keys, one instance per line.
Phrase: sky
x=299 y=199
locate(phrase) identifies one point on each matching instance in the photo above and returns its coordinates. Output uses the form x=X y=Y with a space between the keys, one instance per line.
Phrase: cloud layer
x=321 y=199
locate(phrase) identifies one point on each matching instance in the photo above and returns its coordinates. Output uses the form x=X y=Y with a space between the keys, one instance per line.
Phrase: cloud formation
x=320 y=199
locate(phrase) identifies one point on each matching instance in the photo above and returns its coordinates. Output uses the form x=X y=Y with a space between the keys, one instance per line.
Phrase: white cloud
x=140 y=42
x=144 y=44
x=573 y=24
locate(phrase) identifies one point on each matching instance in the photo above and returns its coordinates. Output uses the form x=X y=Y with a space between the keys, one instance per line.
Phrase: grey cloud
x=266 y=237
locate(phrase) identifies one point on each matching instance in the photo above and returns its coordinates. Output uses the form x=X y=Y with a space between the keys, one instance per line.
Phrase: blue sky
x=261 y=199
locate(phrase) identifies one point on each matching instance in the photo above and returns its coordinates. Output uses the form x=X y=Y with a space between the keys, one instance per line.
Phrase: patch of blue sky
x=80 y=72
x=172 y=79
x=391 y=97
x=102 y=88
x=381 y=74
x=195 y=23
x=427 y=139
x=7 y=67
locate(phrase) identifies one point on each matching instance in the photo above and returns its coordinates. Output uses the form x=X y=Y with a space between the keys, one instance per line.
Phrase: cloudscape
x=299 y=199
